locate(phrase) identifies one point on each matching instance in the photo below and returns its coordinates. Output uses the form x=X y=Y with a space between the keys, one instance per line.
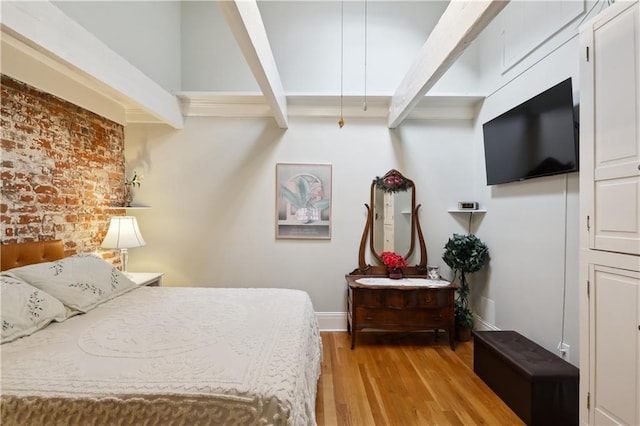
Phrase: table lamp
x=123 y=234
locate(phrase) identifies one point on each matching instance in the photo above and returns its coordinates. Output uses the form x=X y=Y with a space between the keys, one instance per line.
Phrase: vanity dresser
x=406 y=307
x=413 y=302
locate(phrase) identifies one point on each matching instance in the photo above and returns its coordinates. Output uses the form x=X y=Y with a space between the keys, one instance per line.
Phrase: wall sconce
x=123 y=234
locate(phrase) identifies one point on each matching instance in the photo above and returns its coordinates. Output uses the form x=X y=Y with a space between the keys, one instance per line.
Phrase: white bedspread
x=162 y=355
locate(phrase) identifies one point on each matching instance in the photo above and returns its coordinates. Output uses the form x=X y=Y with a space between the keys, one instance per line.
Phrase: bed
x=150 y=355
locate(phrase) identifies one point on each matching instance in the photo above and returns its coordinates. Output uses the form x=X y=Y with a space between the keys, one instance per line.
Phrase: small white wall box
x=468 y=205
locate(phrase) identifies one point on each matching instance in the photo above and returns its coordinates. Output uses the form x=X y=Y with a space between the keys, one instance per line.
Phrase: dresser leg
x=353 y=339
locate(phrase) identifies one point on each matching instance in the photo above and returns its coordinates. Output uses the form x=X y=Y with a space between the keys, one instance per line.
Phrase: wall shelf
x=128 y=208
x=467 y=211
x=471 y=212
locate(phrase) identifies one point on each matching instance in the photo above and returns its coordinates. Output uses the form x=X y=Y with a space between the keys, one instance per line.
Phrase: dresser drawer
x=413 y=318
x=402 y=298
x=370 y=298
x=434 y=298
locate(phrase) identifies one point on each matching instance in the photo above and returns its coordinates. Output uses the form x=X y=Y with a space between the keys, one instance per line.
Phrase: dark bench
x=540 y=387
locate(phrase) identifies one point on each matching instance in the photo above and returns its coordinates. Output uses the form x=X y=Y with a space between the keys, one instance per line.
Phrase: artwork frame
x=303 y=201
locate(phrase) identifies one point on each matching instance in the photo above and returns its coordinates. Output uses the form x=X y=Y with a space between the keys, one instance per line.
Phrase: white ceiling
x=65 y=59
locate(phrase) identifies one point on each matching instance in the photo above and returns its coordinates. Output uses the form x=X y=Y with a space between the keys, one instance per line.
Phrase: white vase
x=307 y=215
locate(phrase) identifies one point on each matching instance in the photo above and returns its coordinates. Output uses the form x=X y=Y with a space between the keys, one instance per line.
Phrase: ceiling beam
x=245 y=22
x=458 y=26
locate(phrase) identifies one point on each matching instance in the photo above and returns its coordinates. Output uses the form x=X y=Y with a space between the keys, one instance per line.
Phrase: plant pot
x=395 y=273
x=463 y=334
x=307 y=215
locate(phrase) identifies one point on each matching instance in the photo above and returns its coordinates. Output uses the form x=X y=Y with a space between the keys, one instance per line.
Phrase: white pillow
x=81 y=282
x=25 y=309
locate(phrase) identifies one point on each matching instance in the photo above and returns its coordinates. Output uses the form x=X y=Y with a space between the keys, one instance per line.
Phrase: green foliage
x=464 y=316
x=303 y=198
x=464 y=254
x=298 y=200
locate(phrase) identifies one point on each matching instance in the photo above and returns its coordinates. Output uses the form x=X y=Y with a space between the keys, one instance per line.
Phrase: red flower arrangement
x=393 y=260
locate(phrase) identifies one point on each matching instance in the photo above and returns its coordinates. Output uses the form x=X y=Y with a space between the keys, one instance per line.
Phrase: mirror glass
x=392 y=221
x=392 y=200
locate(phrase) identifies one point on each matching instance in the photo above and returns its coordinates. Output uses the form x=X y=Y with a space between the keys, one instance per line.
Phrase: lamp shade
x=123 y=233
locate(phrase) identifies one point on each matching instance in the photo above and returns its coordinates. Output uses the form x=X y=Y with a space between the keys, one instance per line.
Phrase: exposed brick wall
x=61 y=167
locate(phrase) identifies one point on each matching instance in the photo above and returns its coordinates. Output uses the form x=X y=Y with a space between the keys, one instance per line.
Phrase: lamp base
x=124 y=258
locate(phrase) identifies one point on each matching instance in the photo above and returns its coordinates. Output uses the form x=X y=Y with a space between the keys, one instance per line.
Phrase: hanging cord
x=364 y=106
x=341 y=120
x=564 y=285
x=470 y=217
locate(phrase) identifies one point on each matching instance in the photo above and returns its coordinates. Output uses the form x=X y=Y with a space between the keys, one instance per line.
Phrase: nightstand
x=150 y=279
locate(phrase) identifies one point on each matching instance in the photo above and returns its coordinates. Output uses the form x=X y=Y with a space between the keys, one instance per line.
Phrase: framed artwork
x=303 y=201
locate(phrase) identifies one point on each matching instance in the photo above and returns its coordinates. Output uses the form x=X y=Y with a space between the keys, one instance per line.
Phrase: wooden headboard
x=14 y=255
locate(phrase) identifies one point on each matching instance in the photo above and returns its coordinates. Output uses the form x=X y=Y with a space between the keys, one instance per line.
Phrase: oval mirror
x=393 y=207
x=392 y=221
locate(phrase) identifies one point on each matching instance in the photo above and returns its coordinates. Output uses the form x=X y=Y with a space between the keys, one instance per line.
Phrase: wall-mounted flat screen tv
x=536 y=138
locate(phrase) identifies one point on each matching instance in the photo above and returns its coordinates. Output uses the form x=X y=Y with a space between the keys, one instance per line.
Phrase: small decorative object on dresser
x=433 y=272
x=395 y=273
x=394 y=262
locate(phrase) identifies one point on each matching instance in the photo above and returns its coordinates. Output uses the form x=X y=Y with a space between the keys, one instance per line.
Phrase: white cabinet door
x=615 y=346
x=610 y=130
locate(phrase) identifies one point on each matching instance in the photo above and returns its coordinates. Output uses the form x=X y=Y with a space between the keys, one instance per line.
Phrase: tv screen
x=536 y=138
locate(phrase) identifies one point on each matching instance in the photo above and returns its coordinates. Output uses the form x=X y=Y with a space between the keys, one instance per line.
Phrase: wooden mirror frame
x=366 y=269
x=393 y=182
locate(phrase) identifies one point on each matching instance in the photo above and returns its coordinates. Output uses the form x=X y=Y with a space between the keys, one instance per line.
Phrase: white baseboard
x=482 y=325
x=337 y=321
x=332 y=321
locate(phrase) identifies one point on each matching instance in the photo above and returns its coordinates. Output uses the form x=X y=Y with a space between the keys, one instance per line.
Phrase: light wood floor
x=403 y=379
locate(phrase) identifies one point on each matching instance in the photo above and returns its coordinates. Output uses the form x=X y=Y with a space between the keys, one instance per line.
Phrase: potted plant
x=128 y=184
x=464 y=254
x=394 y=263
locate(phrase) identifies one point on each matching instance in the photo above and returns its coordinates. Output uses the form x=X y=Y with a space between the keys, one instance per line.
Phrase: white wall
x=531 y=227
x=145 y=33
x=187 y=45
x=305 y=38
x=212 y=191
x=211 y=59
